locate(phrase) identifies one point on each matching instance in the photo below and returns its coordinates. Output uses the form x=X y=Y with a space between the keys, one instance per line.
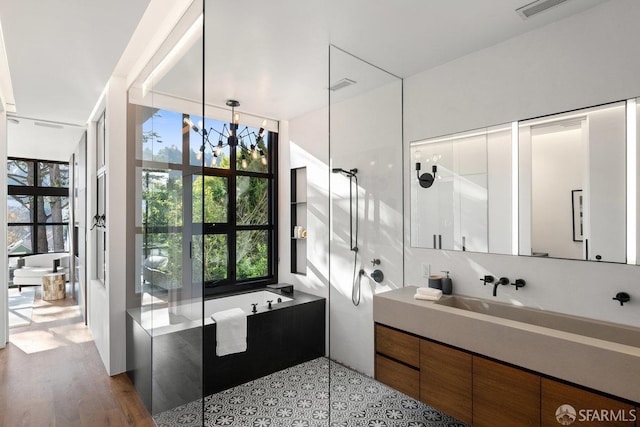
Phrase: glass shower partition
x=164 y=298
x=366 y=222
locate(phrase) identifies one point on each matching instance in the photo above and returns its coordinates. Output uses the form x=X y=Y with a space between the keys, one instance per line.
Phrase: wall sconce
x=229 y=136
x=427 y=179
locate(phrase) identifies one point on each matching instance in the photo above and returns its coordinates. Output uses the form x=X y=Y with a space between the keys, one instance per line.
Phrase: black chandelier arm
x=229 y=136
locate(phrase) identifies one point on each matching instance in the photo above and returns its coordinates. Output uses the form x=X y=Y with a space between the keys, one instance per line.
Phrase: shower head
x=350 y=172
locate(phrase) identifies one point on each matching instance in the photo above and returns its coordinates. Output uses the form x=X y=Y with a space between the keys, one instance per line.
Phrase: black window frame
x=36 y=192
x=230 y=228
x=191 y=230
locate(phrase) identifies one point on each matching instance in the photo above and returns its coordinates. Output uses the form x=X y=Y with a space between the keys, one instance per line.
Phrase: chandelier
x=231 y=137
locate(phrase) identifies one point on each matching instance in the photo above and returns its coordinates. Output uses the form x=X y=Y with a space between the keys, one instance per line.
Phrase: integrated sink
x=595 y=354
x=606 y=331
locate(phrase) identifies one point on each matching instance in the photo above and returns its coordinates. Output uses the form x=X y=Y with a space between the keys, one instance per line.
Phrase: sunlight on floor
x=36 y=341
x=54 y=324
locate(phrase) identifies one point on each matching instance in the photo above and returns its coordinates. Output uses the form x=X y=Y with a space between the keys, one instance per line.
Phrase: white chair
x=33 y=267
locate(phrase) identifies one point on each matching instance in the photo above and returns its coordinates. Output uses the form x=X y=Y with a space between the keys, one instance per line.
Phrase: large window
x=37 y=206
x=216 y=203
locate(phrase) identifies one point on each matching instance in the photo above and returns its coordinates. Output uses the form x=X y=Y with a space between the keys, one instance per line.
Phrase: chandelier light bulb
x=236 y=118
x=189 y=123
x=261 y=131
x=244 y=162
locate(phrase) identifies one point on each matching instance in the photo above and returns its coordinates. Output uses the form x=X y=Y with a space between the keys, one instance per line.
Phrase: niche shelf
x=298 y=219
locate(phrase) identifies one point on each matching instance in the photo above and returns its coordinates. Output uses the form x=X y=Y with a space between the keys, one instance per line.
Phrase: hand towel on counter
x=231 y=331
x=428 y=294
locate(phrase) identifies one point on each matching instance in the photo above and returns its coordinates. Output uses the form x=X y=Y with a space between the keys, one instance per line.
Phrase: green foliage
x=216 y=199
x=251 y=254
x=161 y=198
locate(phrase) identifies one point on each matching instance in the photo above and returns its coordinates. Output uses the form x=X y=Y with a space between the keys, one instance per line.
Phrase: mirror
x=470 y=193
x=571 y=187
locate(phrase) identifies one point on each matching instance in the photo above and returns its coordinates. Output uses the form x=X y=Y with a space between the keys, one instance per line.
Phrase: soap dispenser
x=447 y=285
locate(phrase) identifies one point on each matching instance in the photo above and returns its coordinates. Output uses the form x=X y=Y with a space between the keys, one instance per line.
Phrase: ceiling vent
x=536 y=7
x=341 y=84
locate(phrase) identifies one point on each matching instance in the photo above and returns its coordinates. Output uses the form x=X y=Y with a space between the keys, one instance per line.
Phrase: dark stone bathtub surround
x=184 y=362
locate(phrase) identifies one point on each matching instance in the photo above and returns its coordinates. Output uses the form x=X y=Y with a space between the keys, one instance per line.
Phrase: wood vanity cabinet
x=483 y=392
x=555 y=394
x=446 y=379
x=397 y=361
x=504 y=396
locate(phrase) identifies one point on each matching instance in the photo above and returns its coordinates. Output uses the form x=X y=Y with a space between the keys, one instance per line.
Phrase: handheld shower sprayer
x=353 y=239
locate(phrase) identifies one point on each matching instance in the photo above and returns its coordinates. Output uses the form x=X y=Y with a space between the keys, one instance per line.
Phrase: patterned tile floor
x=319 y=393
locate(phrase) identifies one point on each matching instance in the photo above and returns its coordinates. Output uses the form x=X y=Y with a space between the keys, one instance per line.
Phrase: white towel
x=428 y=294
x=231 y=331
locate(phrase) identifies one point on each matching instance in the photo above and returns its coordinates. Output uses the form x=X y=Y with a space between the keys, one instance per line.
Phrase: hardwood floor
x=51 y=375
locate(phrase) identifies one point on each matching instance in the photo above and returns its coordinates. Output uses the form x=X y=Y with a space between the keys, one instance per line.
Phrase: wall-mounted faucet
x=519 y=283
x=622 y=297
x=501 y=281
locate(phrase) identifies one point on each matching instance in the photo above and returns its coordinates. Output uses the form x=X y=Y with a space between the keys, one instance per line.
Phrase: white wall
x=80 y=219
x=4 y=297
x=375 y=124
x=106 y=301
x=305 y=143
x=364 y=130
x=581 y=61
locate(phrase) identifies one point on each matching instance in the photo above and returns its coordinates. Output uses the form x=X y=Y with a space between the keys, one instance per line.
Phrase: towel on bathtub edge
x=231 y=331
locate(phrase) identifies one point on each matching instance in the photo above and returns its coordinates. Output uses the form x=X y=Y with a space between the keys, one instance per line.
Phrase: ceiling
x=61 y=54
x=272 y=56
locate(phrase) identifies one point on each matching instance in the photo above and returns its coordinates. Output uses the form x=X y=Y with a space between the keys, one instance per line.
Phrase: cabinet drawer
x=398 y=345
x=398 y=376
x=504 y=396
x=445 y=380
x=556 y=394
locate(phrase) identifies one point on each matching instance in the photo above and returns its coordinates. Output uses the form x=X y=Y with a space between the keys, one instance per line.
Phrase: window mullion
x=232 y=218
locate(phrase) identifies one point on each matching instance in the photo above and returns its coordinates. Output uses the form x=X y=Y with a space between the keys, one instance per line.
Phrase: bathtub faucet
x=255 y=310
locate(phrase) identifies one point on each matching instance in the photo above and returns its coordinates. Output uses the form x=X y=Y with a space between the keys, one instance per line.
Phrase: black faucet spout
x=501 y=281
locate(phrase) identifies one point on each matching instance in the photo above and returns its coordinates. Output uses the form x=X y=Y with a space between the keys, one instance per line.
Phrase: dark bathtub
x=183 y=365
